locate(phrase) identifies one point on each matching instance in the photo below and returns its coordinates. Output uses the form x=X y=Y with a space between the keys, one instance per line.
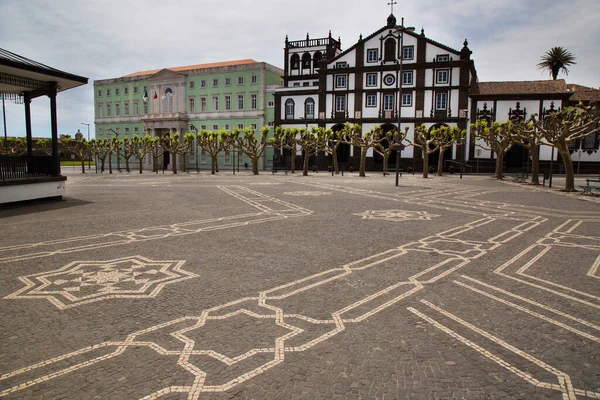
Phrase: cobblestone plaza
x=194 y=286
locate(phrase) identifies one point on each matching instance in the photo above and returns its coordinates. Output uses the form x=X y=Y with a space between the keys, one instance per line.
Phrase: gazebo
x=29 y=176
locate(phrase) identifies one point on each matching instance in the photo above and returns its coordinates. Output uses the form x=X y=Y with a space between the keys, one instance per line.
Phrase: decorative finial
x=307 y=37
x=340 y=39
x=422 y=31
x=286 y=38
x=360 y=37
x=391 y=21
x=330 y=34
x=466 y=43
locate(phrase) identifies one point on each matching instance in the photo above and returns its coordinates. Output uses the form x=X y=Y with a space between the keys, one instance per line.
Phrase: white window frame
x=253 y=126
x=135 y=90
x=145 y=108
x=241 y=101
x=240 y=126
x=270 y=103
x=411 y=52
x=100 y=109
x=108 y=110
x=240 y=80
x=192 y=104
x=227 y=102
x=406 y=99
x=215 y=82
x=341 y=81
x=290 y=109
x=126 y=131
x=409 y=75
x=203 y=83
x=192 y=85
x=108 y=92
x=369 y=76
x=373 y=103
x=125 y=90
x=215 y=127
x=136 y=108
x=370 y=52
x=443 y=58
x=117 y=109
x=215 y=103
x=117 y=92
x=440 y=74
x=253 y=101
x=227 y=82
x=254 y=79
x=203 y=103
x=100 y=93
x=340 y=104
x=126 y=108
x=388 y=102
x=136 y=130
x=438 y=98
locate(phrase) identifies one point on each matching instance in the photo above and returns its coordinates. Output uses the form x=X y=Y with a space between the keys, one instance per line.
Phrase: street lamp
x=196 y=140
x=89 y=156
x=401 y=30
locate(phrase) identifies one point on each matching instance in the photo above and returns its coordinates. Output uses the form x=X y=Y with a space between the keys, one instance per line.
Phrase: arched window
x=168 y=101
x=309 y=108
x=289 y=109
x=317 y=59
x=390 y=49
x=295 y=61
x=306 y=59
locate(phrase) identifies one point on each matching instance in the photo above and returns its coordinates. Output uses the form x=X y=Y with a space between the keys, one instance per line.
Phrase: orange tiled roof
x=197 y=66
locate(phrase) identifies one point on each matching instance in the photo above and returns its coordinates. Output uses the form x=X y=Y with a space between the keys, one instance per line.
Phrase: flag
x=145 y=98
x=155 y=96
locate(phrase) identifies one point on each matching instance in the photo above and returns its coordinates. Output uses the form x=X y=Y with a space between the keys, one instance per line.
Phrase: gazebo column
x=27 y=101
x=55 y=169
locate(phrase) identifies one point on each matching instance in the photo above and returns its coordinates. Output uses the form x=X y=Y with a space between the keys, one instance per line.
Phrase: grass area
x=74 y=163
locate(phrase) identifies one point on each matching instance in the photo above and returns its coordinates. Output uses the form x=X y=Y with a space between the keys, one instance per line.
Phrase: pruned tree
x=174 y=145
x=353 y=134
x=13 y=146
x=427 y=143
x=284 y=138
x=43 y=146
x=561 y=127
x=388 y=142
x=308 y=141
x=127 y=151
x=114 y=146
x=213 y=142
x=139 y=147
x=81 y=148
x=252 y=146
x=498 y=138
x=100 y=150
x=527 y=135
x=156 y=150
x=445 y=137
x=330 y=142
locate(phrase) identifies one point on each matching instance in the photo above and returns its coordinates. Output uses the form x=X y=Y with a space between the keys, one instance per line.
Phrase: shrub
x=431 y=169
x=330 y=168
x=351 y=168
x=409 y=169
x=314 y=168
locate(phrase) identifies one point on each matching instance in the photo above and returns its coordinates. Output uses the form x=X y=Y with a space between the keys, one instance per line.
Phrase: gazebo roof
x=19 y=74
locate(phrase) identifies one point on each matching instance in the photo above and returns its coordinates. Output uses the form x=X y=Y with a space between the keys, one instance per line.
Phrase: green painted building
x=225 y=95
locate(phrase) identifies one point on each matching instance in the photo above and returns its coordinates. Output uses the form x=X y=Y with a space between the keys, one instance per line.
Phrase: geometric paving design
x=397 y=215
x=306 y=194
x=224 y=347
x=83 y=282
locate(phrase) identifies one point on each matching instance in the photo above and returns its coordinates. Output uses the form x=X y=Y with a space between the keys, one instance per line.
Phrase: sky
x=105 y=39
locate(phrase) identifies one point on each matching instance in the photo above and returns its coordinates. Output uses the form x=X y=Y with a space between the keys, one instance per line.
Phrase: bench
x=591 y=185
x=275 y=169
x=520 y=177
x=392 y=171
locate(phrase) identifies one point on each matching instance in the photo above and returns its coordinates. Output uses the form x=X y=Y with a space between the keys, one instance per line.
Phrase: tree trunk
x=102 y=165
x=184 y=162
x=305 y=167
x=363 y=162
x=174 y=161
x=110 y=163
x=155 y=164
x=293 y=167
x=127 y=165
x=141 y=164
x=386 y=158
x=336 y=164
x=212 y=164
x=569 y=173
x=441 y=163
x=535 y=165
x=83 y=166
x=499 y=165
x=254 y=161
x=425 y=164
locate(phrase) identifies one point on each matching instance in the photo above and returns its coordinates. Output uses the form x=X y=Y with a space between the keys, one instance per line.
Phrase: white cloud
x=98 y=41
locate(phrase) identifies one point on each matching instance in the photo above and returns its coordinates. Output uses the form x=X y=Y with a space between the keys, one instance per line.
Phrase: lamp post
x=89 y=158
x=401 y=30
x=196 y=140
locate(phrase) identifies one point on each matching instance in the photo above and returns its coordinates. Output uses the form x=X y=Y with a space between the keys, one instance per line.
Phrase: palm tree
x=555 y=60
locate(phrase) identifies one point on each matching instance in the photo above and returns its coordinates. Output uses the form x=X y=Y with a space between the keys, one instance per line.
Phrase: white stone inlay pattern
x=82 y=282
x=396 y=215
